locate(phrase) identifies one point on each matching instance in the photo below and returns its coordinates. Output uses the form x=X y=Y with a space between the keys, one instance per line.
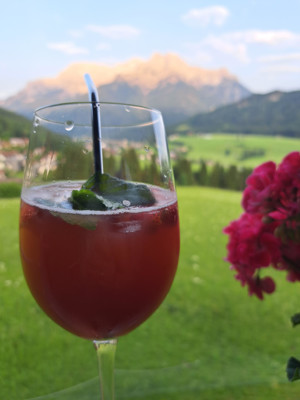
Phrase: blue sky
x=256 y=40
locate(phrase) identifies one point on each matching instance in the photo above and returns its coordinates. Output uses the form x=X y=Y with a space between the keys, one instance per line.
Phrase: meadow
x=209 y=340
x=241 y=150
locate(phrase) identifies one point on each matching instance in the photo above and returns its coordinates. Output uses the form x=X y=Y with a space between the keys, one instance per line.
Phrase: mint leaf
x=88 y=221
x=296 y=319
x=293 y=369
x=105 y=192
x=87 y=200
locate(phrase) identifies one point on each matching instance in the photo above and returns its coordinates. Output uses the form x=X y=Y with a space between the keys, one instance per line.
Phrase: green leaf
x=88 y=222
x=104 y=192
x=293 y=369
x=87 y=200
x=296 y=319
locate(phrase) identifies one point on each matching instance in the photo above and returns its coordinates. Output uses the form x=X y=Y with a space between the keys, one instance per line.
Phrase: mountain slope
x=164 y=81
x=275 y=113
x=13 y=125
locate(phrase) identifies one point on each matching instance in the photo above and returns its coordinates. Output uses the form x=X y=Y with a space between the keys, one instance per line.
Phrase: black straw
x=96 y=124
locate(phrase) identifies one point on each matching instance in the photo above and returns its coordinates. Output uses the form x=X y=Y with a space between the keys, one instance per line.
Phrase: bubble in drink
x=69 y=125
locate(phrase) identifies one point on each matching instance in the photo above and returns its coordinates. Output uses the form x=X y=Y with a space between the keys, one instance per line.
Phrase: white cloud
x=75 y=33
x=278 y=58
x=4 y=94
x=241 y=46
x=115 y=31
x=215 y=15
x=281 y=69
x=268 y=37
x=68 y=48
x=237 y=50
x=103 y=46
x=197 y=55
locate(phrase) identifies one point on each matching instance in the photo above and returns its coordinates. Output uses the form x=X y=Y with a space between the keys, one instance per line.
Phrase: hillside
x=166 y=82
x=13 y=125
x=275 y=113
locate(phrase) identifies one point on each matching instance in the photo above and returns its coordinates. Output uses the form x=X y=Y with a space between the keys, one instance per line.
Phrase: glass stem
x=106 y=350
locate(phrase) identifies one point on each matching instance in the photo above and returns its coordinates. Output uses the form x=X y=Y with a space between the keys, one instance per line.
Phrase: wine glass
x=99 y=230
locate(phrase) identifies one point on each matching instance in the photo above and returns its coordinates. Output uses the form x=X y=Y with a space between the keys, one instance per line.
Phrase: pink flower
x=252 y=243
x=256 y=285
x=289 y=169
x=258 y=196
x=259 y=286
x=287 y=182
x=268 y=232
x=251 y=246
x=291 y=260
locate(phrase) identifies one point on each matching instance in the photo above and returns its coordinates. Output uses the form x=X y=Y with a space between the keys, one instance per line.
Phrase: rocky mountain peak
x=159 y=82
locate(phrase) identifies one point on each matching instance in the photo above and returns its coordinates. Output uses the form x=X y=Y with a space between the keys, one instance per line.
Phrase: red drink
x=99 y=275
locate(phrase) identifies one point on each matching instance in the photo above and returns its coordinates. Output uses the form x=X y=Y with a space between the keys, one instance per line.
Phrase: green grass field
x=208 y=340
x=229 y=149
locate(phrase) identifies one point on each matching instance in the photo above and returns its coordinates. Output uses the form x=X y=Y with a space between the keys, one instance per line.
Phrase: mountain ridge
x=157 y=83
x=273 y=113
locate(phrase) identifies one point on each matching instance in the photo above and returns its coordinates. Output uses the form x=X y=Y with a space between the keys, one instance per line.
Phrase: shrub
x=10 y=189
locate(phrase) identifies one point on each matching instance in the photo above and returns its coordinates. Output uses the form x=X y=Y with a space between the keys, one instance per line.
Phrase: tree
x=130 y=168
x=232 y=178
x=201 y=176
x=151 y=173
x=217 y=176
x=183 y=172
x=73 y=162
